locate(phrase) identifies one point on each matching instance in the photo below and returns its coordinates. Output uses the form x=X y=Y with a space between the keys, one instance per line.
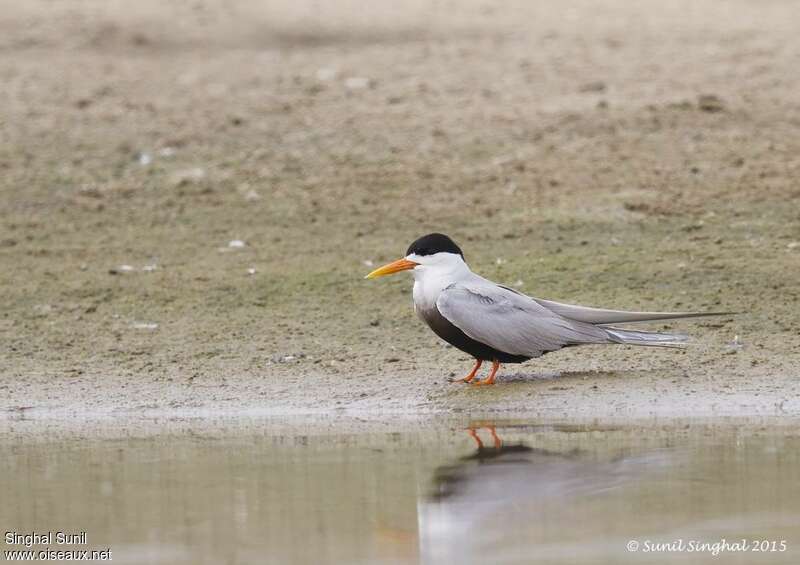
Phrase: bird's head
x=434 y=252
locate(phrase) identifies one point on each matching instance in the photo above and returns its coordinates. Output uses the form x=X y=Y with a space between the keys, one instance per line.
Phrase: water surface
x=444 y=491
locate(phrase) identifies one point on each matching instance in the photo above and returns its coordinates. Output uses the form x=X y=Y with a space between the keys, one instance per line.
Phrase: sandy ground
x=635 y=155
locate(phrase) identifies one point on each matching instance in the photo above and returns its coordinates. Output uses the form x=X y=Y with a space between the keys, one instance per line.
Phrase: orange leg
x=474 y=435
x=473 y=432
x=471 y=375
x=498 y=443
x=490 y=379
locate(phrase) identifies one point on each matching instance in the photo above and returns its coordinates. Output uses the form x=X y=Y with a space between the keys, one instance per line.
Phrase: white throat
x=434 y=274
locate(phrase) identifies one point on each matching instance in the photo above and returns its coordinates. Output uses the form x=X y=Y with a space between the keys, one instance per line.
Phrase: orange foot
x=473 y=432
x=490 y=379
x=471 y=375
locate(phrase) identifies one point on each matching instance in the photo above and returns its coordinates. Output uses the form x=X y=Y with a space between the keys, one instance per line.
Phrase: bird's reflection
x=452 y=479
x=481 y=499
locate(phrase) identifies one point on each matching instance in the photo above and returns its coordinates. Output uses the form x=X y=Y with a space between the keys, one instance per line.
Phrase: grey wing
x=512 y=322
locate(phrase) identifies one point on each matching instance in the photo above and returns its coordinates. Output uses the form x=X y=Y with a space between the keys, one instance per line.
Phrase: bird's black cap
x=434 y=243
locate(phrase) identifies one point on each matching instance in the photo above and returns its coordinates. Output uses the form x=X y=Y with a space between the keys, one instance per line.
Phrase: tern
x=495 y=323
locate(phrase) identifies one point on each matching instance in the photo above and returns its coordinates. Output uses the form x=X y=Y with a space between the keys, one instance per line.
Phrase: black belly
x=442 y=327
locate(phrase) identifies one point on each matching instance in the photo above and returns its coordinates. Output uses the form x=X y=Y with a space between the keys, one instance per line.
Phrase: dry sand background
x=622 y=154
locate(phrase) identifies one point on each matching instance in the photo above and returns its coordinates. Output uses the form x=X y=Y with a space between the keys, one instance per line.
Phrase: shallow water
x=453 y=491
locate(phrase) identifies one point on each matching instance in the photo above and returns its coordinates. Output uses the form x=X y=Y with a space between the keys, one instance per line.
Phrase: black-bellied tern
x=495 y=323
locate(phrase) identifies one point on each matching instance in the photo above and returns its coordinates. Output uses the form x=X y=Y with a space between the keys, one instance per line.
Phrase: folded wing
x=512 y=322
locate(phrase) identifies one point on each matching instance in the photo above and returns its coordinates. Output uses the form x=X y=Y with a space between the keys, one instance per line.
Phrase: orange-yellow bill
x=393 y=267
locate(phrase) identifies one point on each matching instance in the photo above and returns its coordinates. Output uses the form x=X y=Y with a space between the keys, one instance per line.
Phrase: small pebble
x=735 y=345
x=326 y=74
x=286 y=358
x=188 y=176
x=357 y=83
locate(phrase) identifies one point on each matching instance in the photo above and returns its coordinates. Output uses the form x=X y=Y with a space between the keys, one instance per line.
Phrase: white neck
x=431 y=279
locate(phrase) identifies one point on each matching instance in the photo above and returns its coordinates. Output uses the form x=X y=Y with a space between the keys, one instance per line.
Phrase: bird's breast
x=425 y=295
x=426 y=292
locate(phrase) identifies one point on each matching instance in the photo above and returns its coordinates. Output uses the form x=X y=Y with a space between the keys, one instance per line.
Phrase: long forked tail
x=654 y=339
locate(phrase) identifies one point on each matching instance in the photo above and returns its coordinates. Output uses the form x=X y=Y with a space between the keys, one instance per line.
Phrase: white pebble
x=236 y=243
x=188 y=176
x=326 y=74
x=357 y=83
